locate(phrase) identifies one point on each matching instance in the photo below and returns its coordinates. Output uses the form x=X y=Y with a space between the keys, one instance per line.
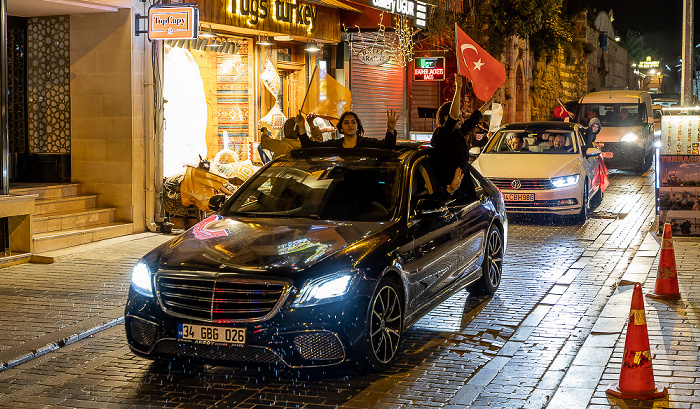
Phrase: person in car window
x=625 y=119
x=350 y=127
x=592 y=131
x=589 y=115
x=558 y=145
x=450 y=157
x=517 y=144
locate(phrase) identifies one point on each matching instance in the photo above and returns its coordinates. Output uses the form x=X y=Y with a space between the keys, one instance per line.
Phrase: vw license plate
x=519 y=197
x=211 y=334
x=606 y=154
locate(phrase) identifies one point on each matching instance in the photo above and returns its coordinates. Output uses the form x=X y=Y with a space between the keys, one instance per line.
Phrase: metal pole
x=687 y=54
x=4 y=136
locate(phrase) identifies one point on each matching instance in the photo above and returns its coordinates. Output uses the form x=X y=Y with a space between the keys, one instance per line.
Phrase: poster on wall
x=678 y=174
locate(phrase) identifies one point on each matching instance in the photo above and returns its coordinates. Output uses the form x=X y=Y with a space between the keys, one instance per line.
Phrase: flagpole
x=308 y=87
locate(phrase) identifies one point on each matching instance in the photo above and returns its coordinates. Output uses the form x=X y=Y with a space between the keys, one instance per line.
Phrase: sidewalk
x=674 y=338
x=82 y=292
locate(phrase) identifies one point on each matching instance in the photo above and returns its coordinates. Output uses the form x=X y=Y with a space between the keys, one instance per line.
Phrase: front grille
x=539 y=203
x=220 y=299
x=530 y=184
x=216 y=352
x=319 y=345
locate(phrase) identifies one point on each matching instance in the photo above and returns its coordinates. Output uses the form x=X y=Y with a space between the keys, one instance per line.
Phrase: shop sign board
x=298 y=18
x=429 y=69
x=414 y=9
x=678 y=174
x=401 y=7
x=167 y=22
x=282 y=11
x=374 y=56
x=648 y=63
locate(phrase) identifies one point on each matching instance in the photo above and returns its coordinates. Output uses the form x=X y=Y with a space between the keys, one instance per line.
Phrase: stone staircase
x=64 y=218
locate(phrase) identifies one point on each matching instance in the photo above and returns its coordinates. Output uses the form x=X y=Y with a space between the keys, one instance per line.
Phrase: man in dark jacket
x=451 y=150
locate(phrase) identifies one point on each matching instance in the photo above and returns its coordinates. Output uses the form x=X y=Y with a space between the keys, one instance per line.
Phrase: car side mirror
x=475 y=151
x=216 y=201
x=426 y=208
x=592 y=152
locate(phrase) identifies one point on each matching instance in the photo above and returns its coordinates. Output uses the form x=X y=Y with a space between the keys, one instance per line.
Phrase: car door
x=588 y=162
x=473 y=213
x=429 y=256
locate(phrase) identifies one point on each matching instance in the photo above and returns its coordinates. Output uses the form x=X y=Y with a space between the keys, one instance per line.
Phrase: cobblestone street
x=551 y=337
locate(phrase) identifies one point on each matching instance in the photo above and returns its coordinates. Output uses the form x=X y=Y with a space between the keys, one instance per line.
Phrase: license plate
x=519 y=197
x=211 y=334
x=606 y=154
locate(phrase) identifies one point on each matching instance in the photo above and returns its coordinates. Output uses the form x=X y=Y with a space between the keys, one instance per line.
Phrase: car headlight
x=141 y=280
x=564 y=181
x=630 y=137
x=325 y=289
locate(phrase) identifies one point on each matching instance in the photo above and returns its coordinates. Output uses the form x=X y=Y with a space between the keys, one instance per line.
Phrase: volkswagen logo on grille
x=515 y=184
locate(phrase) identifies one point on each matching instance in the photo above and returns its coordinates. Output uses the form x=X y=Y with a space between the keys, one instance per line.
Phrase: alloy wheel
x=385 y=324
x=494 y=255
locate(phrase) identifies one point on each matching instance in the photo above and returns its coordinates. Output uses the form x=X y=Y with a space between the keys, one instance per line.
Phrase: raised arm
x=456 y=100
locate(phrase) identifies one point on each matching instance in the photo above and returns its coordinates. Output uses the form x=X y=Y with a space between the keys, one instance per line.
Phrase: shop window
x=284 y=54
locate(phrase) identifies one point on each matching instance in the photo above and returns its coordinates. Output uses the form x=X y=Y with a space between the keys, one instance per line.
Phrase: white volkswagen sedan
x=542 y=167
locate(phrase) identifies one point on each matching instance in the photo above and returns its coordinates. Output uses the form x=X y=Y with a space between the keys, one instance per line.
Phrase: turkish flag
x=485 y=73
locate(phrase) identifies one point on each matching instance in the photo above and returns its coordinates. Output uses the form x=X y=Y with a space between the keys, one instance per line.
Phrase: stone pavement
x=47 y=306
x=552 y=336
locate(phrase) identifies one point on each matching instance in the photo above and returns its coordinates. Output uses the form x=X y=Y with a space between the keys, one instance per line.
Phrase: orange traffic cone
x=666 y=287
x=636 y=376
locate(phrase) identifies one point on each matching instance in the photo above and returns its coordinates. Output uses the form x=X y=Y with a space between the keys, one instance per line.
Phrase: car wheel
x=384 y=327
x=492 y=266
x=585 y=205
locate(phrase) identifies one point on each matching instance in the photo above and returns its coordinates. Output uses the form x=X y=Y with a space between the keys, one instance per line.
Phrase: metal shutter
x=426 y=94
x=378 y=89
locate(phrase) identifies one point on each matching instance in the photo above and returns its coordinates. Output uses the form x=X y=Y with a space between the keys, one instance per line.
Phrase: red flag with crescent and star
x=484 y=71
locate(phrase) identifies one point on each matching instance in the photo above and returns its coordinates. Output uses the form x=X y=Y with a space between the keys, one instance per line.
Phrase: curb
x=9 y=362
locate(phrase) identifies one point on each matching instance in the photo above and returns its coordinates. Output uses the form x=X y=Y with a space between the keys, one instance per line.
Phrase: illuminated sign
x=429 y=69
x=648 y=63
x=416 y=10
x=401 y=7
x=291 y=12
x=166 y=22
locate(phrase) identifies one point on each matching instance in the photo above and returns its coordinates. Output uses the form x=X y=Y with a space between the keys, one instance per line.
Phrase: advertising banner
x=678 y=174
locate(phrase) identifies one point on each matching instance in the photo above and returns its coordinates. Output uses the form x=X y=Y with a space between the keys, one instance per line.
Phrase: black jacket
x=388 y=142
x=451 y=151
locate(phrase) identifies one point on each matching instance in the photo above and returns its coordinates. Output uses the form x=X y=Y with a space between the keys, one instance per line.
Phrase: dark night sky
x=659 y=21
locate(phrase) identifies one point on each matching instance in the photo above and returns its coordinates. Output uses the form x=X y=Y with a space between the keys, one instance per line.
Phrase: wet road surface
x=510 y=350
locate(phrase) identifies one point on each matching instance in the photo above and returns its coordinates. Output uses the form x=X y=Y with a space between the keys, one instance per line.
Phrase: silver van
x=627 y=134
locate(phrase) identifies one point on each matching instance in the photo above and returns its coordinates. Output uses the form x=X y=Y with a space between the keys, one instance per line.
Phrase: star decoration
x=478 y=64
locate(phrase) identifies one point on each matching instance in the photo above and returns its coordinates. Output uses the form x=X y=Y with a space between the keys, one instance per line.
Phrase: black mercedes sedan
x=323 y=256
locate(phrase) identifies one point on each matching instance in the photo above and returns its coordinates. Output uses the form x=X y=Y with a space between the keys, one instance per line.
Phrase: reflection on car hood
x=526 y=165
x=256 y=245
x=614 y=134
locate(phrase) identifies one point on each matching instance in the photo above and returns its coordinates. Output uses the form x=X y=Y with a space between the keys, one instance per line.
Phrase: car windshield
x=539 y=141
x=614 y=115
x=337 y=189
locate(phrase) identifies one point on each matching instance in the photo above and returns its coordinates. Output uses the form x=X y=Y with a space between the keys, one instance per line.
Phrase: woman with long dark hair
x=353 y=134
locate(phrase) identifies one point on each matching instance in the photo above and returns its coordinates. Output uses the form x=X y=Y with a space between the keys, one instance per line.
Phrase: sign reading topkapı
x=171 y=23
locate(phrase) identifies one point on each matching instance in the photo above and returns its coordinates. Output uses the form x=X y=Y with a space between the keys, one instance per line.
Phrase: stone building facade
x=599 y=63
